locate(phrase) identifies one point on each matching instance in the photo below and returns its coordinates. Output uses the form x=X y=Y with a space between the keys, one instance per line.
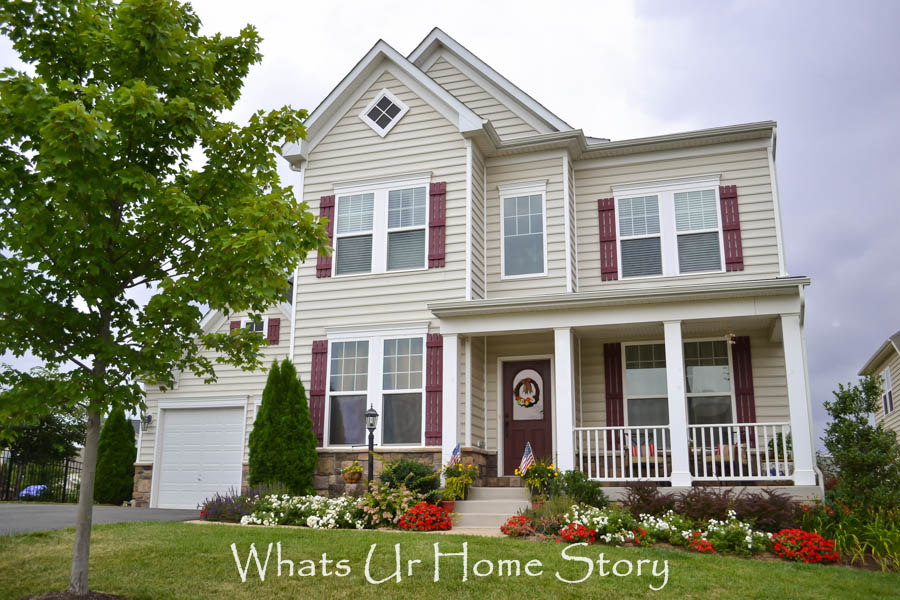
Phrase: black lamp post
x=371 y=424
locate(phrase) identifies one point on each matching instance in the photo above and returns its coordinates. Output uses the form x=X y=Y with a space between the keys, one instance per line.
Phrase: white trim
x=564 y=399
x=675 y=395
x=484 y=228
x=484 y=389
x=265 y=325
x=384 y=93
x=221 y=402
x=450 y=396
x=500 y=437
x=468 y=221
x=575 y=221
x=389 y=181
x=773 y=176
x=568 y=225
x=468 y=384
x=523 y=189
x=677 y=184
x=302 y=178
x=352 y=332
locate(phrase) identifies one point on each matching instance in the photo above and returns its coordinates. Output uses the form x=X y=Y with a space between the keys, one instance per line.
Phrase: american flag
x=527 y=458
x=455 y=457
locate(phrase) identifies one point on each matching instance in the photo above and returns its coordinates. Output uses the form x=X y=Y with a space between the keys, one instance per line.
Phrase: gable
x=507 y=123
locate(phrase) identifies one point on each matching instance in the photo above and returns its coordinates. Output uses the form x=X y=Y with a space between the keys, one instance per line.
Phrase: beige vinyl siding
x=508 y=124
x=478 y=390
x=422 y=141
x=523 y=169
x=502 y=346
x=769 y=380
x=892 y=419
x=478 y=257
x=232 y=384
x=748 y=168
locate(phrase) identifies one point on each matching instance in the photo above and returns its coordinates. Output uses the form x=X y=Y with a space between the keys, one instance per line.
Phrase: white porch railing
x=728 y=452
x=623 y=453
x=740 y=451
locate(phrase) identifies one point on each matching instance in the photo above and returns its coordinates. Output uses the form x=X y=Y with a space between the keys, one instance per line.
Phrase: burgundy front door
x=527 y=410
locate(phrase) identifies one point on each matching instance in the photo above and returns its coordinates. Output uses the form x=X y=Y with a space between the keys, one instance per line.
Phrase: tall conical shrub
x=282 y=444
x=116 y=452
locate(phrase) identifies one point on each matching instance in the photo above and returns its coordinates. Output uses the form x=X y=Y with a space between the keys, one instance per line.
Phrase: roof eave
x=892 y=343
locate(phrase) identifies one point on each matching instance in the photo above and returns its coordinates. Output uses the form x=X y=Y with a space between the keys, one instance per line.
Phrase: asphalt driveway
x=26 y=517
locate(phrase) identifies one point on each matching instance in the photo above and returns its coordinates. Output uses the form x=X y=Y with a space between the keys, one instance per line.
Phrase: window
x=697 y=227
x=708 y=382
x=382 y=226
x=383 y=112
x=348 y=392
x=669 y=228
x=259 y=327
x=639 y=234
x=646 y=389
x=385 y=370
x=887 y=396
x=402 y=384
x=524 y=244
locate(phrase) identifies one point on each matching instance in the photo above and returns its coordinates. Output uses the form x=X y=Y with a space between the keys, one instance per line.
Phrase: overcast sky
x=826 y=71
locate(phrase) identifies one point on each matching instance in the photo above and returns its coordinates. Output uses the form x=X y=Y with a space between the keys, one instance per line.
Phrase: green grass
x=183 y=560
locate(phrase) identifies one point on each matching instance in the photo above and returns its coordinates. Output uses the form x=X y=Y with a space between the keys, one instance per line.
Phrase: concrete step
x=498 y=493
x=479 y=520
x=506 y=507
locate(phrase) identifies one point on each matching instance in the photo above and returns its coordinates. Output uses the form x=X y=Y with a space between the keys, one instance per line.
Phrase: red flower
x=425 y=517
x=517 y=526
x=799 y=545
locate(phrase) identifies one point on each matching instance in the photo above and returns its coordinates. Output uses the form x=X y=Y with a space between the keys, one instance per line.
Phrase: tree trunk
x=78 y=581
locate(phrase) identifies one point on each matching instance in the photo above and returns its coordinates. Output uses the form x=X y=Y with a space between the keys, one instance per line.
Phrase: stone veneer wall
x=142 y=476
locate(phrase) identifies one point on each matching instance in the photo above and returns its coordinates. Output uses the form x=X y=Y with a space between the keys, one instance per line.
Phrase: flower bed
x=425 y=517
x=316 y=512
x=803 y=546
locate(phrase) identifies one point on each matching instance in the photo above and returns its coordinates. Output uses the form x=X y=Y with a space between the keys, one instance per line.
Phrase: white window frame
x=265 y=325
x=381 y=189
x=625 y=396
x=384 y=93
x=887 y=393
x=374 y=391
x=513 y=190
x=665 y=192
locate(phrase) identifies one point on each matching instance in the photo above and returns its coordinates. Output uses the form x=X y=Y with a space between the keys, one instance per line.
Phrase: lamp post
x=371 y=424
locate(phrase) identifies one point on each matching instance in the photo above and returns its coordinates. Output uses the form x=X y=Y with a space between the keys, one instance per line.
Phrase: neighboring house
x=499 y=277
x=885 y=363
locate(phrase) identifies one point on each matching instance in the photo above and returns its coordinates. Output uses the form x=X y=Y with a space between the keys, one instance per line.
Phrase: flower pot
x=352 y=477
x=447 y=505
x=536 y=504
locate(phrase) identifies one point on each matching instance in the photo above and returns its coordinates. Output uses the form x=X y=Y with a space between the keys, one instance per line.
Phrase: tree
x=866 y=456
x=100 y=203
x=282 y=444
x=116 y=453
x=53 y=436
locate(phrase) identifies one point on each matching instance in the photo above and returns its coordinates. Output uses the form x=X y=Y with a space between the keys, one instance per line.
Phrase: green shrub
x=705 y=503
x=116 y=452
x=549 y=517
x=383 y=505
x=579 y=488
x=418 y=477
x=647 y=499
x=767 y=510
x=282 y=444
x=860 y=535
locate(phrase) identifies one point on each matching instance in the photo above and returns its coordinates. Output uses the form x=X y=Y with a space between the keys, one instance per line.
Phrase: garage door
x=201 y=454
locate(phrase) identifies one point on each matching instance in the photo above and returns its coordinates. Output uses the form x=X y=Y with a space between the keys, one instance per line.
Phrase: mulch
x=72 y=596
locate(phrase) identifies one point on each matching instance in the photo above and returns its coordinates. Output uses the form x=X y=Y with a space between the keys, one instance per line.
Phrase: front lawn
x=184 y=560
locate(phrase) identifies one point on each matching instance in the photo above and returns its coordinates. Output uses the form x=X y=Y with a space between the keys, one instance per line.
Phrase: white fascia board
x=437 y=38
x=352 y=87
x=881 y=355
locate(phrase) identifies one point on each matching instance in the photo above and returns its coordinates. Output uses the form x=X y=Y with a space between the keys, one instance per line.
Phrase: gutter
x=599 y=299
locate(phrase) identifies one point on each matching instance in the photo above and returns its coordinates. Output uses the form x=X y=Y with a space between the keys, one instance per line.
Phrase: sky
x=828 y=72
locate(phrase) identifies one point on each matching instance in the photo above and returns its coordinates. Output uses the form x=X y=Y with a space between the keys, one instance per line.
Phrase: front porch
x=716 y=396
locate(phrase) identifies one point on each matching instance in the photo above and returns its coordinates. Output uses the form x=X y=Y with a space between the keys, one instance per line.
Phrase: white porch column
x=798 y=400
x=565 y=398
x=450 y=397
x=678 y=421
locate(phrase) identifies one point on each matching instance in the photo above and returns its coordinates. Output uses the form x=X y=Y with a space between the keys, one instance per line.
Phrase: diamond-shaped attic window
x=383 y=112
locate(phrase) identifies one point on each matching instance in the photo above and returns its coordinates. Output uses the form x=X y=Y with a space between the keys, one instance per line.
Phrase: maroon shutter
x=274 y=332
x=326 y=211
x=612 y=367
x=233 y=326
x=317 y=387
x=731 y=228
x=609 y=266
x=437 y=224
x=434 y=386
x=743 y=380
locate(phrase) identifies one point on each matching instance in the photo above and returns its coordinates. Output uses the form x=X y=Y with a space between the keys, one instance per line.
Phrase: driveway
x=22 y=517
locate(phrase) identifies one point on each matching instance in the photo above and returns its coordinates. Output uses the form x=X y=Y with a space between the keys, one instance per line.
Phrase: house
x=499 y=277
x=885 y=363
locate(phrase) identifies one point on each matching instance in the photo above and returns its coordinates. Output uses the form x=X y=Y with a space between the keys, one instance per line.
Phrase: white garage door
x=201 y=454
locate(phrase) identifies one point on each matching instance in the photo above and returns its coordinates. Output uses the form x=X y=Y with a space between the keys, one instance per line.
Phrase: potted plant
x=352 y=473
x=458 y=478
x=448 y=500
x=538 y=478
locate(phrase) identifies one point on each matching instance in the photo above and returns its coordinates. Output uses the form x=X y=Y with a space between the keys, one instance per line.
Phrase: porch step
x=489 y=508
x=501 y=482
x=497 y=493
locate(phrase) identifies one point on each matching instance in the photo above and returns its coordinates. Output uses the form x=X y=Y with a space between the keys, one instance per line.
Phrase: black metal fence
x=51 y=481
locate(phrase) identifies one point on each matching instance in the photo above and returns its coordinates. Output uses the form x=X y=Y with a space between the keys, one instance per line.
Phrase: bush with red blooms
x=517 y=526
x=640 y=536
x=425 y=517
x=799 y=545
x=696 y=541
x=573 y=532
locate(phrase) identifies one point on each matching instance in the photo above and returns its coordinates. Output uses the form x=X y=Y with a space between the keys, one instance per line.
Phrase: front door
x=527 y=411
